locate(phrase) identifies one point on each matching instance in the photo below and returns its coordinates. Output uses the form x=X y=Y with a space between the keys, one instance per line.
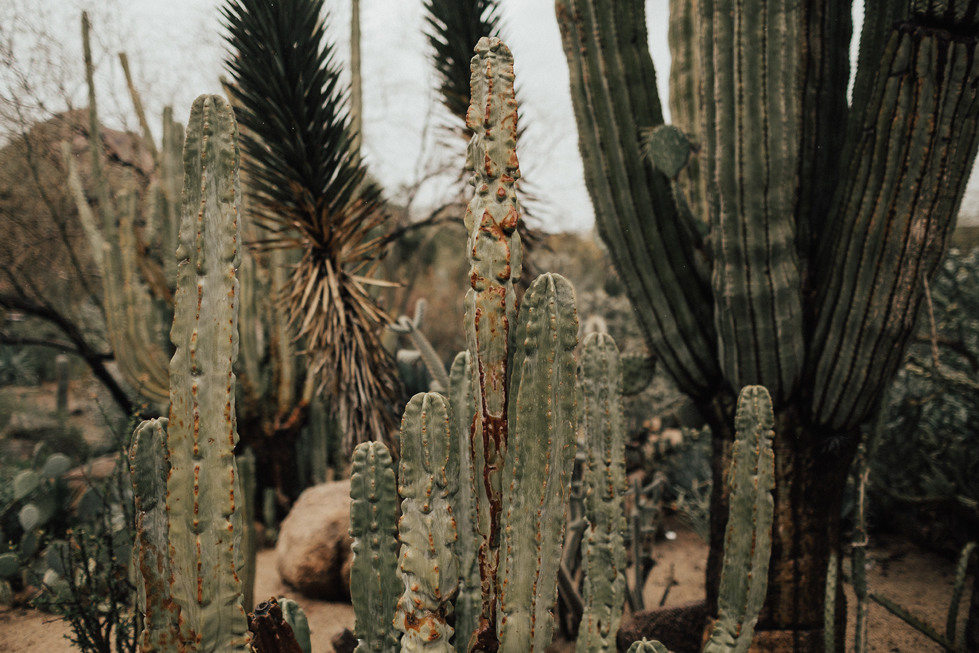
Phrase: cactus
x=603 y=545
x=822 y=219
x=295 y=616
x=468 y=604
x=748 y=541
x=539 y=460
x=374 y=585
x=202 y=492
x=494 y=254
x=412 y=328
x=646 y=646
x=249 y=538
x=428 y=480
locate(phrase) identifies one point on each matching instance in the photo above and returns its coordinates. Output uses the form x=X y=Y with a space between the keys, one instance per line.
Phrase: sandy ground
x=918 y=580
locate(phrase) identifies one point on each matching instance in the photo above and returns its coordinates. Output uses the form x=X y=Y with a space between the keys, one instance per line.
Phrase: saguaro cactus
x=374 y=583
x=202 y=492
x=603 y=544
x=822 y=221
x=428 y=480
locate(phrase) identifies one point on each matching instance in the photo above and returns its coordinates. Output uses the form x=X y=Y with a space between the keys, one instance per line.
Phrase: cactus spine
x=603 y=545
x=374 y=583
x=203 y=494
x=744 y=576
x=429 y=478
x=468 y=602
x=494 y=255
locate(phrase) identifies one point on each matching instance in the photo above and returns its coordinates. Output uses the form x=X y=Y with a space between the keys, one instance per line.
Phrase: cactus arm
x=603 y=545
x=755 y=159
x=613 y=94
x=539 y=461
x=748 y=540
x=494 y=256
x=902 y=184
x=295 y=616
x=203 y=498
x=468 y=603
x=429 y=477
x=412 y=328
x=140 y=114
x=149 y=468
x=374 y=584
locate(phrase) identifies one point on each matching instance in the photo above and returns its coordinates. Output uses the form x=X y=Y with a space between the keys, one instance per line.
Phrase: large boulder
x=314 y=548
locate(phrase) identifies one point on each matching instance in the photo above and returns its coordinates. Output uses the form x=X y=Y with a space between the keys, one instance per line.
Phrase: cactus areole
x=790 y=249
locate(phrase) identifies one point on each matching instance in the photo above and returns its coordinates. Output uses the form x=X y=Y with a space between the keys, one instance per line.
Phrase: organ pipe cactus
x=494 y=254
x=468 y=603
x=821 y=221
x=374 y=584
x=202 y=493
x=603 y=544
x=428 y=480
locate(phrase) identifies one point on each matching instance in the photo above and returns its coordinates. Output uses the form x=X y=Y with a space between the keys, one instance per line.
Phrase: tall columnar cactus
x=468 y=603
x=603 y=544
x=494 y=254
x=374 y=583
x=428 y=480
x=202 y=492
x=822 y=220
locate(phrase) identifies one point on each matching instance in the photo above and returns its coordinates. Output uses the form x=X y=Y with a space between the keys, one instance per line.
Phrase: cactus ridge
x=603 y=544
x=429 y=478
x=203 y=488
x=539 y=461
x=744 y=576
x=469 y=600
x=494 y=255
x=374 y=583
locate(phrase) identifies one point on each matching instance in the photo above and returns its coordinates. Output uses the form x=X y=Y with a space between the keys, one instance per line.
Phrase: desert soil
x=918 y=580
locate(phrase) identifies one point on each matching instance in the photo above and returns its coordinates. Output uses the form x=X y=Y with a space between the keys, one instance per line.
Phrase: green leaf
x=25 y=483
x=29 y=517
x=9 y=565
x=56 y=465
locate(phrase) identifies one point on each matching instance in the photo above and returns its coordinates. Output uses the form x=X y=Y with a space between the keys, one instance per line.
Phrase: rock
x=314 y=546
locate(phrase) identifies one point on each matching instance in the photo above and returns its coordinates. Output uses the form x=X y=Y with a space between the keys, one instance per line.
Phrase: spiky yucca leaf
x=457 y=25
x=313 y=193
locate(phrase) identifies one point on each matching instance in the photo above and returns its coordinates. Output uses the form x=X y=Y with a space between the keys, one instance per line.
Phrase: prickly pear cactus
x=603 y=544
x=469 y=601
x=429 y=477
x=539 y=461
x=494 y=257
x=203 y=494
x=748 y=541
x=374 y=583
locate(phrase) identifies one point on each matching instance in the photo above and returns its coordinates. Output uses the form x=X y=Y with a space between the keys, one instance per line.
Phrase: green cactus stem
x=468 y=604
x=374 y=584
x=428 y=479
x=295 y=616
x=495 y=262
x=249 y=538
x=603 y=545
x=539 y=461
x=203 y=491
x=748 y=540
x=149 y=468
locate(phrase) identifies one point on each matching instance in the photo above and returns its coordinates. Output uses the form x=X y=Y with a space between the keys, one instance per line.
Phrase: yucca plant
x=776 y=234
x=309 y=187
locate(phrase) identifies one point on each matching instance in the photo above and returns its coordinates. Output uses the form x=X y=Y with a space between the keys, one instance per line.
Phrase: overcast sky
x=176 y=52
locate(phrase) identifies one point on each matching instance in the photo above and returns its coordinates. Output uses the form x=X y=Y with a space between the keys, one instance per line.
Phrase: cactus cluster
x=184 y=470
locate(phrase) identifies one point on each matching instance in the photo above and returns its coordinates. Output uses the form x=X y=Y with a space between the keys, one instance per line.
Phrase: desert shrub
x=925 y=466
